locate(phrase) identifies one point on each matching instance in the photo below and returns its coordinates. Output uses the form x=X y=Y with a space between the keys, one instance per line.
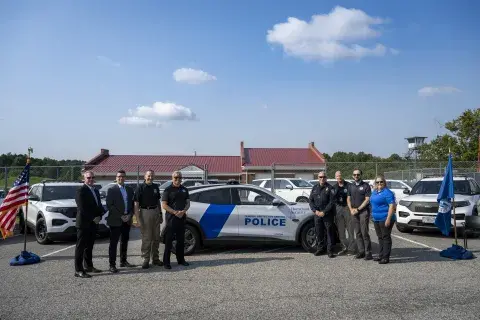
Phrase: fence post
x=71 y=175
x=58 y=173
x=6 y=179
x=138 y=175
x=205 y=174
x=273 y=177
x=376 y=168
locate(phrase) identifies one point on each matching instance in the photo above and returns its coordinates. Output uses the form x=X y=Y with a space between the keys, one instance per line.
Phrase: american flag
x=16 y=197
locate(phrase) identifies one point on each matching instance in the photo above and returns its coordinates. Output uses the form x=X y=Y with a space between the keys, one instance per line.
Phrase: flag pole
x=30 y=150
x=453 y=205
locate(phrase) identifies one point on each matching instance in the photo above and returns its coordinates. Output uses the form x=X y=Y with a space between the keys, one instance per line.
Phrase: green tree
x=462 y=139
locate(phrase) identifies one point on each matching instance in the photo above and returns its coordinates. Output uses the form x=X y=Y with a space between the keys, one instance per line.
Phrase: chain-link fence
x=407 y=171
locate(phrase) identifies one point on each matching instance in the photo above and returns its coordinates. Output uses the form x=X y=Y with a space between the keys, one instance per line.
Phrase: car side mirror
x=276 y=203
x=406 y=191
x=33 y=197
x=103 y=194
x=289 y=187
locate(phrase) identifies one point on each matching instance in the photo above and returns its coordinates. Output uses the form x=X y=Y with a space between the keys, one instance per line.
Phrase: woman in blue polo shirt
x=383 y=213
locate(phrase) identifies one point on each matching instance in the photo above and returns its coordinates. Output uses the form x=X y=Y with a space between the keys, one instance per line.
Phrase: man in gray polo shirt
x=358 y=201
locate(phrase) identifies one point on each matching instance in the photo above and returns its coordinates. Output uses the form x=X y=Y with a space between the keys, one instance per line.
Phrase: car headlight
x=462 y=204
x=405 y=203
x=57 y=209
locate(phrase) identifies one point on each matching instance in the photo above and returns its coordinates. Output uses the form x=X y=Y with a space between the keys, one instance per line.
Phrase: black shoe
x=184 y=263
x=158 y=263
x=167 y=266
x=92 y=269
x=377 y=258
x=146 y=265
x=342 y=252
x=82 y=274
x=331 y=255
x=113 y=269
x=125 y=264
x=384 y=261
x=368 y=257
x=360 y=255
x=319 y=252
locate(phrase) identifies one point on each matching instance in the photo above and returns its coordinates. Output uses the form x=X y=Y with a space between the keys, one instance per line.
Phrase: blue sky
x=72 y=70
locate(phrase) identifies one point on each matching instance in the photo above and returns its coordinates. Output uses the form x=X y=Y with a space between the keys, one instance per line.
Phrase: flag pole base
x=25 y=258
x=456 y=252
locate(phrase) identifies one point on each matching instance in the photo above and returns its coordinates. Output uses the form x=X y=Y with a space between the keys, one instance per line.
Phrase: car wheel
x=192 y=240
x=302 y=199
x=307 y=237
x=404 y=229
x=41 y=231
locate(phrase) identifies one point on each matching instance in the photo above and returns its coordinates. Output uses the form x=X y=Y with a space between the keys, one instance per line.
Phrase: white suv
x=398 y=187
x=290 y=189
x=419 y=209
x=52 y=212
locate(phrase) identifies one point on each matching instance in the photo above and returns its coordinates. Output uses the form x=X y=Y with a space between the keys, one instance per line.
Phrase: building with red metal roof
x=253 y=163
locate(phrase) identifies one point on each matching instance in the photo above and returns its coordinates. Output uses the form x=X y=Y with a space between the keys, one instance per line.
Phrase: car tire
x=302 y=199
x=192 y=240
x=404 y=229
x=307 y=237
x=41 y=231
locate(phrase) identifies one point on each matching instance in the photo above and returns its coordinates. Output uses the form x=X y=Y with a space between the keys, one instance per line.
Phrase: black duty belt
x=149 y=208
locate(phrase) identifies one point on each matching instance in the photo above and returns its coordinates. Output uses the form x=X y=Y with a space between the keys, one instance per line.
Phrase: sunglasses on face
x=379 y=182
x=90 y=178
x=321 y=177
x=177 y=178
x=356 y=175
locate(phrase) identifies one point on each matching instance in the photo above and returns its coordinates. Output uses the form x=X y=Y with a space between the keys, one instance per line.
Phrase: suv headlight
x=462 y=204
x=57 y=209
x=405 y=203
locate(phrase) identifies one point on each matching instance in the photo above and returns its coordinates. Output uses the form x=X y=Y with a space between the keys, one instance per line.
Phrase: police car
x=52 y=212
x=227 y=212
x=419 y=209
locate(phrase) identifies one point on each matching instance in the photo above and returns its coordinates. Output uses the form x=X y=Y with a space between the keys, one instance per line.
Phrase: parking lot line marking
x=276 y=249
x=52 y=253
x=414 y=242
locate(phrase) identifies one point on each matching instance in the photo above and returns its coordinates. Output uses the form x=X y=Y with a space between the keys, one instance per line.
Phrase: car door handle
x=295 y=220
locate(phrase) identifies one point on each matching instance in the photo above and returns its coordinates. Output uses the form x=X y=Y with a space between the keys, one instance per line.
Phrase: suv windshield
x=59 y=192
x=301 y=183
x=433 y=187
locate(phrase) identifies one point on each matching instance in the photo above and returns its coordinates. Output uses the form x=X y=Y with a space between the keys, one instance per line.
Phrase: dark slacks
x=384 y=235
x=175 y=227
x=83 y=250
x=360 y=224
x=343 y=219
x=324 y=231
x=121 y=233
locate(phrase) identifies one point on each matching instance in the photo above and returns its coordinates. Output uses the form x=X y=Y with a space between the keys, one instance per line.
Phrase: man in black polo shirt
x=322 y=204
x=343 y=219
x=358 y=201
x=149 y=217
x=176 y=202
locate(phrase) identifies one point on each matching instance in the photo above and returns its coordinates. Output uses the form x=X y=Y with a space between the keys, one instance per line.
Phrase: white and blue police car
x=226 y=212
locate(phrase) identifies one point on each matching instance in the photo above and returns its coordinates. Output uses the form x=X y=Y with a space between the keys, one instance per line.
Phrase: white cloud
x=192 y=76
x=108 y=61
x=431 y=91
x=159 y=114
x=137 y=121
x=394 y=51
x=330 y=37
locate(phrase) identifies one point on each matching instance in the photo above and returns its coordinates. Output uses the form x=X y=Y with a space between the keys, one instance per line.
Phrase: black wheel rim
x=189 y=243
x=310 y=238
x=41 y=230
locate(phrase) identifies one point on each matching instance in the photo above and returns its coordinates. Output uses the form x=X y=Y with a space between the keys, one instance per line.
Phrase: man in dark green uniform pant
x=149 y=217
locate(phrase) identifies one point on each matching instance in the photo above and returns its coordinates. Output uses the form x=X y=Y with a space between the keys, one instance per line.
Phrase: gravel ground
x=245 y=282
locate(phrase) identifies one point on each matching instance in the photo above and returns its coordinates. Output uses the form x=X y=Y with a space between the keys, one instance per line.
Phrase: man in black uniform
x=322 y=201
x=358 y=201
x=343 y=219
x=149 y=218
x=176 y=202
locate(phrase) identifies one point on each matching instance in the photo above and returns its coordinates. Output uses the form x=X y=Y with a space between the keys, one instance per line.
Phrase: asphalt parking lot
x=245 y=282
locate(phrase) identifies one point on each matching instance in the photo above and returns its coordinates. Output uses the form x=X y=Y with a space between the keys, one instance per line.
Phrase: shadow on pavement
x=409 y=255
x=193 y=265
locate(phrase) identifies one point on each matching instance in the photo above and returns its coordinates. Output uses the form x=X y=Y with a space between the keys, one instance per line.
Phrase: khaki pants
x=150 y=221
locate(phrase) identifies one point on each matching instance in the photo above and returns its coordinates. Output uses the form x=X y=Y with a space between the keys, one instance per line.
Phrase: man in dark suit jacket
x=120 y=215
x=89 y=214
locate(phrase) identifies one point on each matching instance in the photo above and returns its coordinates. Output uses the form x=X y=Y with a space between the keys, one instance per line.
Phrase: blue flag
x=444 y=199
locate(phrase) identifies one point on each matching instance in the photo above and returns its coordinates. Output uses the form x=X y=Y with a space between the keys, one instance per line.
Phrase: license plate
x=428 y=219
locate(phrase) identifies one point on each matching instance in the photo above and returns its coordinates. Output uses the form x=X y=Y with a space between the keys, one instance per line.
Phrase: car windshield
x=433 y=187
x=299 y=183
x=59 y=192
